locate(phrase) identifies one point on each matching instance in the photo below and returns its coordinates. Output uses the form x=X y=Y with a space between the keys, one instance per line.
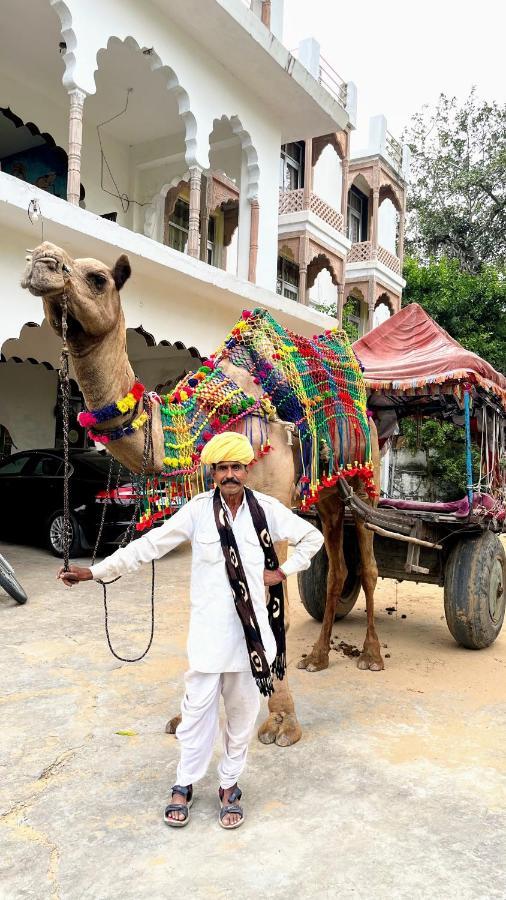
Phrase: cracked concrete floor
x=396 y=790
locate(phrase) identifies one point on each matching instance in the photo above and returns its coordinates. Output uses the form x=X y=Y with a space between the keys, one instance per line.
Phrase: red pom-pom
x=246 y=313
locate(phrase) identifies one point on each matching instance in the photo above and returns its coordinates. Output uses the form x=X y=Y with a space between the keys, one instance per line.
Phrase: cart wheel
x=474 y=590
x=313 y=582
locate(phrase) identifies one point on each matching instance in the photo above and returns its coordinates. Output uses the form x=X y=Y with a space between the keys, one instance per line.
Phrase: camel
x=97 y=340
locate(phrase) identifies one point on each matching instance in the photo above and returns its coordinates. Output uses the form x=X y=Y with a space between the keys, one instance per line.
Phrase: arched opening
x=389 y=213
x=133 y=155
x=328 y=175
x=322 y=283
x=33 y=122
x=383 y=310
x=31 y=410
x=354 y=314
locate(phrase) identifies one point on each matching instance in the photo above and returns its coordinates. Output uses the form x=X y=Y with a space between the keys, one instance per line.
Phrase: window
x=49 y=466
x=357 y=216
x=14 y=466
x=291 y=164
x=211 y=237
x=179 y=224
x=288 y=279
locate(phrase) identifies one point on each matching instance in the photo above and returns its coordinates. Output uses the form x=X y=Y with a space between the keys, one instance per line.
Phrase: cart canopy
x=409 y=351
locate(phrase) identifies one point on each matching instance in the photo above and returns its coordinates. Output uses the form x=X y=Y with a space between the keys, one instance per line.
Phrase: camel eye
x=97 y=279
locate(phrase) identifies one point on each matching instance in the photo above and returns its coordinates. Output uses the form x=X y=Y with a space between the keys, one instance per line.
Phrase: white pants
x=200 y=721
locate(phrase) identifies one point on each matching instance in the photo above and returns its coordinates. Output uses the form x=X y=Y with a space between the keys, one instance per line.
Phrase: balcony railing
x=364 y=252
x=293 y=201
x=332 y=82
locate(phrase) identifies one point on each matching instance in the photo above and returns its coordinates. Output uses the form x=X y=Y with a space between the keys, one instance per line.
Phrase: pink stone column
x=266 y=13
x=400 y=249
x=340 y=304
x=194 y=215
x=344 y=195
x=77 y=99
x=253 y=240
x=371 y=294
x=308 y=173
x=374 y=221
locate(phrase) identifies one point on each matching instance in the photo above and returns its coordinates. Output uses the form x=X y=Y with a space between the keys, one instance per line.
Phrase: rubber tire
x=313 y=581
x=472 y=571
x=75 y=548
x=10 y=583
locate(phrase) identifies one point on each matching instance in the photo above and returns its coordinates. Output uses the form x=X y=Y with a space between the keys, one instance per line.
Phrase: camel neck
x=104 y=372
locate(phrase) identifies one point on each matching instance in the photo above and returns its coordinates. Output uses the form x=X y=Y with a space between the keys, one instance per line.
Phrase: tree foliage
x=457 y=191
x=444 y=446
x=472 y=308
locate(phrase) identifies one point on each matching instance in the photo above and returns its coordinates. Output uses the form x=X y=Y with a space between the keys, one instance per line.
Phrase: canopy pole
x=469 y=459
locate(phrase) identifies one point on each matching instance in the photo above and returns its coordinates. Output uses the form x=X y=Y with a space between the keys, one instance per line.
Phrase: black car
x=31 y=499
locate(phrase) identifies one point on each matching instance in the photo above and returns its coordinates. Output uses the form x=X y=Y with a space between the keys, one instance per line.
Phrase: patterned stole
x=242 y=598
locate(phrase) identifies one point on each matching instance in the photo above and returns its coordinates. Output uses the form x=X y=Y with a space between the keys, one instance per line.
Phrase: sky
x=402 y=55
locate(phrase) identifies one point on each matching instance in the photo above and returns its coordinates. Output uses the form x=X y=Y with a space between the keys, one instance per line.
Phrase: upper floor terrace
x=148 y=115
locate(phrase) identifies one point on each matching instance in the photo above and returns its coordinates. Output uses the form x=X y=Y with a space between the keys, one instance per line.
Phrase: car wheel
x=55 y=535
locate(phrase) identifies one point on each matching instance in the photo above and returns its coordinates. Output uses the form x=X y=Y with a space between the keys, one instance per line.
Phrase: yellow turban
x=227 y=447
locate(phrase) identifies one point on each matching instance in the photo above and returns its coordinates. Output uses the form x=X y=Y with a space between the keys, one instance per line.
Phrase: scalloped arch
x=249 y=151
x=173 y=86
x=69 y=36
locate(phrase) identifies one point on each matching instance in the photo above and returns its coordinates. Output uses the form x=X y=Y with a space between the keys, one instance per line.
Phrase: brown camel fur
x=97 y=341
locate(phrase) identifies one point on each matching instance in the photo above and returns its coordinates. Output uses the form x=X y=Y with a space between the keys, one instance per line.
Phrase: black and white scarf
x=242 y=598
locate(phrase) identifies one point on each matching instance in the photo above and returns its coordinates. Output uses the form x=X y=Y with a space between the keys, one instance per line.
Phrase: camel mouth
x=74 y=328
x=44 y=275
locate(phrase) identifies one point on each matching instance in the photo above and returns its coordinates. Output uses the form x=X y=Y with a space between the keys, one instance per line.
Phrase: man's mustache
x=230 y=481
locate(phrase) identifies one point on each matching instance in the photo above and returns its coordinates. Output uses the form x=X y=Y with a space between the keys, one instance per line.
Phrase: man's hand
x=272 y=578
x=74 y=575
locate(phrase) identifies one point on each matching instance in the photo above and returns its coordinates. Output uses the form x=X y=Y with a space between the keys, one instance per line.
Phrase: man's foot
x=231 y=814
x=177 y=812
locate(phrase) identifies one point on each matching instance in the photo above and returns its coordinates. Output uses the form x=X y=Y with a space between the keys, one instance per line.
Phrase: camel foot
x=268 y=731
x=373 y=662
x=172 y=724
x=290 y=731
x=314 y=662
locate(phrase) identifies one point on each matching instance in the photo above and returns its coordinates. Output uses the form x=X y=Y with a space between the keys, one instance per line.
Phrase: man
x=235 y=640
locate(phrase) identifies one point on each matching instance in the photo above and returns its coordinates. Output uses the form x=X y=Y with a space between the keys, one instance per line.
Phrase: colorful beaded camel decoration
x=313 y=383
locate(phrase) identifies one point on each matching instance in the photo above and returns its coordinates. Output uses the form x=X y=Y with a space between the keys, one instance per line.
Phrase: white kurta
x=216 y=640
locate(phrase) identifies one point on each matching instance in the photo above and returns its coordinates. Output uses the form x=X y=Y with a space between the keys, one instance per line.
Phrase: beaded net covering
x=315 y=383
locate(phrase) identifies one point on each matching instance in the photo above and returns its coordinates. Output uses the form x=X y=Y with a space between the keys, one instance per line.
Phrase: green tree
x=472 y=308
x=444 y=446
x=457 y=190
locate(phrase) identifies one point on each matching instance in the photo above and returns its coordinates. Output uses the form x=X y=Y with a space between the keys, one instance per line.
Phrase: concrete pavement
x=396 y=790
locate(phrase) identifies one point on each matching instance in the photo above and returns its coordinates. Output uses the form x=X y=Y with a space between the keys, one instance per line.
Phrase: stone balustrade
x=294 y=201
x=364 y=252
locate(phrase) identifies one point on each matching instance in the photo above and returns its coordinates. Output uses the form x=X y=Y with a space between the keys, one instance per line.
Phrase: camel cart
x=413 y=368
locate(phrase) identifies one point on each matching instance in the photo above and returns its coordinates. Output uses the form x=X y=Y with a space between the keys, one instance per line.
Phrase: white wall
x=28 y=395
x=327 y=177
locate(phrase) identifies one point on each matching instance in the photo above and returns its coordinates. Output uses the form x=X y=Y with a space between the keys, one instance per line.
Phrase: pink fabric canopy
x=410 y=350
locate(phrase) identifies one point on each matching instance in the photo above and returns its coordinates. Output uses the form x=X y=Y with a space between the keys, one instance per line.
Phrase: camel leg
x=332 y=517
x=281 y=725
x=370 y=658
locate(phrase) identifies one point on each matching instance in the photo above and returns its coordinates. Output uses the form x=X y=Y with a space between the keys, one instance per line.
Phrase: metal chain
x=128 y=535
x=65 y=396
x=129 y=532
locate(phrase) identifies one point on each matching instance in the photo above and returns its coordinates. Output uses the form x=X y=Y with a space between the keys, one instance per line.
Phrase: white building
x=155 y=129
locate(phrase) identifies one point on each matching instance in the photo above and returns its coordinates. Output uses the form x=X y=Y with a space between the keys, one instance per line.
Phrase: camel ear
x=121 y=271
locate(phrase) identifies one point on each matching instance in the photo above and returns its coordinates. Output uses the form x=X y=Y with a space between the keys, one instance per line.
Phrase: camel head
x=91 y=288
